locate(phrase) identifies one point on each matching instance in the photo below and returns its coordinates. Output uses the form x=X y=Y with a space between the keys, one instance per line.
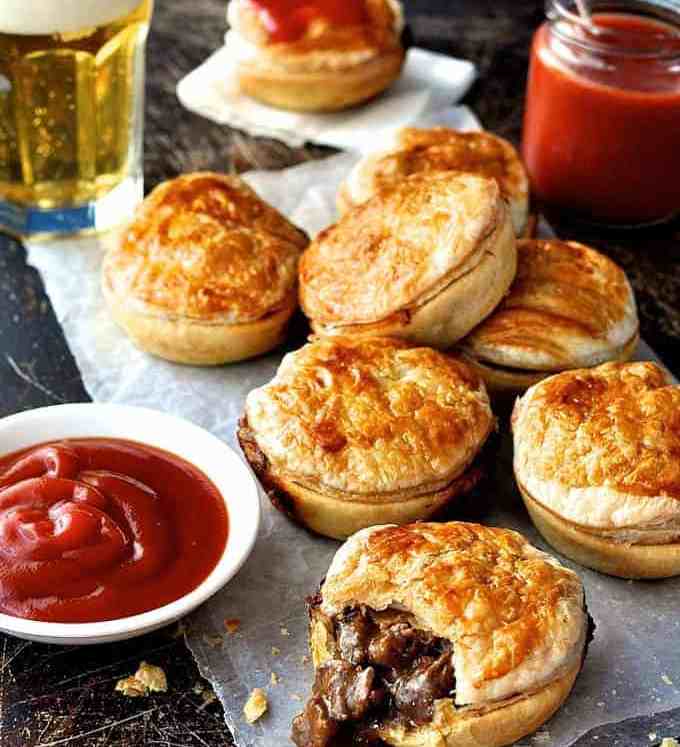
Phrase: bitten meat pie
x=454 y=635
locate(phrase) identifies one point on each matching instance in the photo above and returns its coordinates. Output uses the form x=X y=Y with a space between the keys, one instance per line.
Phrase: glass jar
x=601 y=134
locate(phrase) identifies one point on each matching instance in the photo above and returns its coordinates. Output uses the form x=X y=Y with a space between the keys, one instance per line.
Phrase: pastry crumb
x=147 y=679
x=232 y=625
x=256 y=706
x=131 y=687
x=543 y=737
x=152 y=677
x=666 y=679
x=297 y=697
x=276 y=651
x=652 y=736
x=214 y=641
x=275 y=678
x=304 y=660
x=285 y=632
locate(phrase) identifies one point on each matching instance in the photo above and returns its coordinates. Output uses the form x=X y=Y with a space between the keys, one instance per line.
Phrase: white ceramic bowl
x=206 y=452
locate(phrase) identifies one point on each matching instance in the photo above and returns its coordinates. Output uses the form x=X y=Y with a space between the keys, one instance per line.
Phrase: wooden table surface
x=51 y=695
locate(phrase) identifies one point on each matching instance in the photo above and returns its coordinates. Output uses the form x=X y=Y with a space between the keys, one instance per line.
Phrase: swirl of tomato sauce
x=96 y=529
x=289 y=20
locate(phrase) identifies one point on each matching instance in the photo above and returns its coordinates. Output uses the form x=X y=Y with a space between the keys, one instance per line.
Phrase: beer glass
x=71 y=113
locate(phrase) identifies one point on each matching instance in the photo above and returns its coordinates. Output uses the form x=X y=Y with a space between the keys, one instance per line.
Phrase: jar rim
x=571 y=27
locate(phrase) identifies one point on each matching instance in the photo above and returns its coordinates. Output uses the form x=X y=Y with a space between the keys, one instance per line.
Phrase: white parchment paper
x=633 y=667
x=429 y=82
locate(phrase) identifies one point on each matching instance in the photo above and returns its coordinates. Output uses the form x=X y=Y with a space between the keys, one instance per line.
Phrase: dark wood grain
x=52 y=695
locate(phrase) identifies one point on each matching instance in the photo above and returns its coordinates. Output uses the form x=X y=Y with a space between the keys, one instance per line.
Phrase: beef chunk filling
x=382 y=667
x=353 y=635
x=398 y=645
x=416 y=690
x=314 y=726
x=341 y=693
x=349 y=692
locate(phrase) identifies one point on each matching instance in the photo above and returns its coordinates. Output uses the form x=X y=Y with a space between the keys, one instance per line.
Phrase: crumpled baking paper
x=429 y=83
x=633 y=666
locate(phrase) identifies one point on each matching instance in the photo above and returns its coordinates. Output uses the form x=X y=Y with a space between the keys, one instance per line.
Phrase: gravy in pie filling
x=381 y=666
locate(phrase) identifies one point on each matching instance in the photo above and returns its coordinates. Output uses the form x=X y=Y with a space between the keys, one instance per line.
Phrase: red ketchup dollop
x=96 y=529
x=288 y=20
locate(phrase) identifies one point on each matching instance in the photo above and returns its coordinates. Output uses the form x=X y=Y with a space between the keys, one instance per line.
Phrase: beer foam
x=60 y=16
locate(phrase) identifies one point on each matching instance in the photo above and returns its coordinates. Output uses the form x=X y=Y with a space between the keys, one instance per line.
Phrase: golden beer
x=71 y=112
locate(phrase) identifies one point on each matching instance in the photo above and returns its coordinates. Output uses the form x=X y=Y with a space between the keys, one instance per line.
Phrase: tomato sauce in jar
x=98 y=529
x=602 y=121
x=289 y=20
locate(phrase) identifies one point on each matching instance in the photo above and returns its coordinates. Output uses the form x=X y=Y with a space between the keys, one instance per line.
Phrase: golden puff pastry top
x=569 y=306
x=370 y=419
x=601 y=447
x=399 y=249
x=323 y=46
x=416 y=151
x=514 y=614
x=205 y=247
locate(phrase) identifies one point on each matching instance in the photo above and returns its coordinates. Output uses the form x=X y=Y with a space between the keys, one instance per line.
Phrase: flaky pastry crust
x=206 y=247
x=426 y=259
x=597 y=448
x=613 y=557
x=417 y=151
x=568 y=307
x=206 y=271
x=370 y=417
x=515 y=616
x=339 y=514
x=505 y=384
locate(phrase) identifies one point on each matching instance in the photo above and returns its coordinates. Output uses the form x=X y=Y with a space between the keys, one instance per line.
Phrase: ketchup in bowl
x=97 y=529
x=602 y=121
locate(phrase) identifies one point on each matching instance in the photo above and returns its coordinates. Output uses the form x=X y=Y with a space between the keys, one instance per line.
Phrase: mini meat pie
x=321 y=57
x=353 y=432
x=569 y=307
x=597 y=459
x=416 y=151
x=206 y=273
x=426 y=259
x=454 y=635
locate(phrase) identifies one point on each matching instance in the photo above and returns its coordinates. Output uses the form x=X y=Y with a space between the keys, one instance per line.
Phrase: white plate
x=206 y=452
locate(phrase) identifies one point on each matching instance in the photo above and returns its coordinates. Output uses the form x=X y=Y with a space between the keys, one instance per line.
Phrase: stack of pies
x=420 y=297
x=425 y=250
